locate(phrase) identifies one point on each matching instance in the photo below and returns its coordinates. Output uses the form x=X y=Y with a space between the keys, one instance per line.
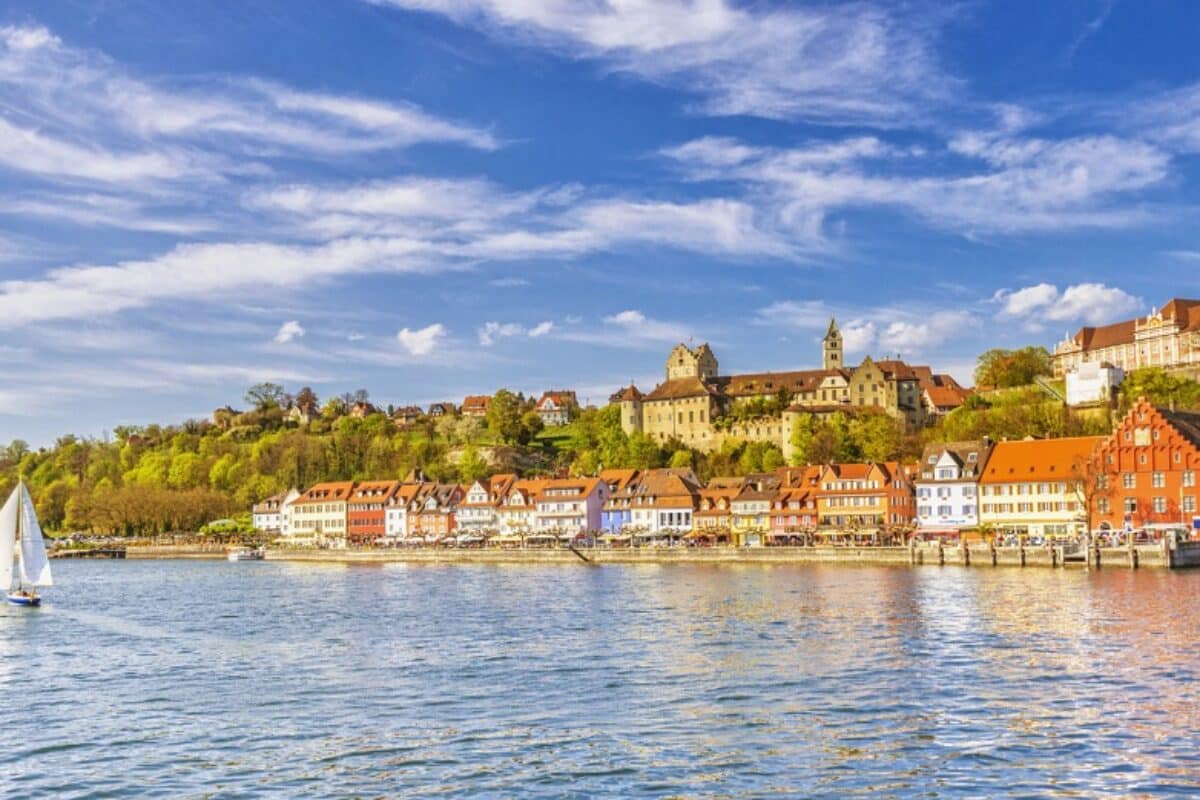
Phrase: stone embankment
x=1183 y=554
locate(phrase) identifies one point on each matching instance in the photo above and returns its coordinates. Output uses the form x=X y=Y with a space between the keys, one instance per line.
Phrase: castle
x=687 y=405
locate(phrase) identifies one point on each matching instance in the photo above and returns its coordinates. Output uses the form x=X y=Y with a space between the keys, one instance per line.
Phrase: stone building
x=694 y=396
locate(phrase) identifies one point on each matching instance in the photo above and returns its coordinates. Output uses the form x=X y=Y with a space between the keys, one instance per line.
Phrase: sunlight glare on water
x=180 y=679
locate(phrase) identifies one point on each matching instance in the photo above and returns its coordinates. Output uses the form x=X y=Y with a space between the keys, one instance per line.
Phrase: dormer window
x=972 y=457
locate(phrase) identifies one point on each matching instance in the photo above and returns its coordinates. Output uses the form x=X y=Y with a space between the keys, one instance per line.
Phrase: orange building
x=1038 y=487
x=1148 y=470
x=865 y=497
x=366 y=515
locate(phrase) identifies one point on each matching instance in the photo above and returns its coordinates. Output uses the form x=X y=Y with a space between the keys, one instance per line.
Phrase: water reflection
x=270 y=679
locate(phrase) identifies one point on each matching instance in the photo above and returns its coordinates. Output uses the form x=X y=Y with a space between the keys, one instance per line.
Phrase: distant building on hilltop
x=694 y=395
x=1168 y=337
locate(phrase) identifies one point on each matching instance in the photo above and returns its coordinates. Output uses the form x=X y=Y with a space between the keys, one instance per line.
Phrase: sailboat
x=22 y=550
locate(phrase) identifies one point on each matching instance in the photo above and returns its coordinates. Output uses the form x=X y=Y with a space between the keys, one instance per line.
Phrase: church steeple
x=831 y=347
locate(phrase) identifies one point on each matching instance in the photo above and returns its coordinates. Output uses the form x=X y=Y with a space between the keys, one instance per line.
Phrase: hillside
x=160 y=478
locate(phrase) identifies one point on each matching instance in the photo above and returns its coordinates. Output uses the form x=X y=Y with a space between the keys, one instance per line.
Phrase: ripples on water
x=179 y=679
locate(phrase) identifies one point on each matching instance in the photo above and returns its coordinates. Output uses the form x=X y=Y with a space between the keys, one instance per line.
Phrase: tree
x=306 y=400
x=1161 y=388
x=1004 y=369
x=264 y=396
x=472 y=466
x=682 y=459
x=504 y=417
x=877 y=436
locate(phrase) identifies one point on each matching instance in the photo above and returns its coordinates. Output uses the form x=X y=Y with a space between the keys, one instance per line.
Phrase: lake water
x=211 y=679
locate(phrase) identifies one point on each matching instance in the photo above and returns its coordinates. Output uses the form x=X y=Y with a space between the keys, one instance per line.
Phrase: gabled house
x=516 y=511
x=476 y=405
x=268 y=516
x=366 y=514
x=870 y=498
x=431 y=511
x=618 y=509
x=714 y=517
x=319 y=514
x=568 y=507
x=948 y=486
x=361 y=409
x=407 y=415
x=478 y=512
x=793 y=511
x=664 y=501
x=1148 y=469
x=555 y=407
x=441 y=410
x=395 y=510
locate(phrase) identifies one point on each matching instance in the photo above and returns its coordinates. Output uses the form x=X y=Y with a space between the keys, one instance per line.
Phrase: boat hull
x=22 y=600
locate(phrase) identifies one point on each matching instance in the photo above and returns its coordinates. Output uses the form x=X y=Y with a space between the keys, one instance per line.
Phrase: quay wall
x=1143 y=556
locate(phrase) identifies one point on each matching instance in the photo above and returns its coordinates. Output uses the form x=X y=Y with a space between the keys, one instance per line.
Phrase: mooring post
x=992 y=549
x=1022 y=555
x=1055 y=556
x=966 y=554
x=941 y=554
x=912 y=551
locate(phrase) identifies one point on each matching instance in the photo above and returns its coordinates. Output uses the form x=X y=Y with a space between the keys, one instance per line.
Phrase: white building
x=1093 y=382
x=948 y=486
x=273 y=514
x=478 y=513
x=664 y=500
x=570 y=505
x=395 y=511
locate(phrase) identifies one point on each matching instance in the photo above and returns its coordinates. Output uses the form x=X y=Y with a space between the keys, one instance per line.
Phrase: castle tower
x=683 y=362
x=631 y=410
x=831 y=348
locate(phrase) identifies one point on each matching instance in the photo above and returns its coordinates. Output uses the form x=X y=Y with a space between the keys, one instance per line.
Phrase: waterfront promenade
x=1161 y=555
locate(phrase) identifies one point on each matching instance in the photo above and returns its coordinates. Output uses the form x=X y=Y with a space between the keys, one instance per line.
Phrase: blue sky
x=429 y=198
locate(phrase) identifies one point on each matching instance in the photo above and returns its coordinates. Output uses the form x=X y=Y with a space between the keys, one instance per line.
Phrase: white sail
x=8 y=539
x=35 y=567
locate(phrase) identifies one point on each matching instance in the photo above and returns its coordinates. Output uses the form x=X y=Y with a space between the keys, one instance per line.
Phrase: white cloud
x=916 y=336
x=423 y=341
x=508 y=283
x=636 y=325
x=845 y=63
x=1093 y=303
x=288 y=331
x=74 y=114
x=491 y=332
x=1004 y=183
x=199 y=271
x=858 y=335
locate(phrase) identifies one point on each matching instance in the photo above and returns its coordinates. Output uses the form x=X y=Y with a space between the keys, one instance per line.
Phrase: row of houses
x=554 y=408
x=1141 y=476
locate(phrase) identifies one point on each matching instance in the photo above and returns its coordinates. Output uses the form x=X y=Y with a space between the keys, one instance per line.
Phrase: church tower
x=831 y=347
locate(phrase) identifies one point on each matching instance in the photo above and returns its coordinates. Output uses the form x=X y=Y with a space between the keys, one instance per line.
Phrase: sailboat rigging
x=22 y=550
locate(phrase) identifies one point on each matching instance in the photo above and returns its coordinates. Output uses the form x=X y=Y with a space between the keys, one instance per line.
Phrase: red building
x=1147 y=470
x=366 y=518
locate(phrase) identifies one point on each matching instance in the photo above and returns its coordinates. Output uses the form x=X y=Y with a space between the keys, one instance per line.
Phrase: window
x=945 y=511
x=1189 y=478
x=1129 y=480
x=1130 y=505
x=1158 y=480
x=1102 y=505
x=972 y=457
x=1160 y=505
x=1189 y=504
x=1102 y=482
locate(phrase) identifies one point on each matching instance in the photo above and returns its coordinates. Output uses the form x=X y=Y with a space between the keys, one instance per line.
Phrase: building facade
x=948 y=486
x=366 y=513
x=1147 y=471
x=1168 y=337
x=1036 y=487
x=319 y=514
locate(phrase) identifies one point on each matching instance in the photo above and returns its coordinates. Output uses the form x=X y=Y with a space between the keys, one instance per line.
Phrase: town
x=1139 y=480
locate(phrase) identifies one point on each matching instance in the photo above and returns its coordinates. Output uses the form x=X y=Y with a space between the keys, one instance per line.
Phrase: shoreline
x=1151 y=556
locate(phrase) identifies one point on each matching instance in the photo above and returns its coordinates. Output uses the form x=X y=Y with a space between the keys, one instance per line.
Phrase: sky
x=434 y=198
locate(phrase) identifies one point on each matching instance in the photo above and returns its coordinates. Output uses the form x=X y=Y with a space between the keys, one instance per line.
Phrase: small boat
x=246 y=554
x=22 y=550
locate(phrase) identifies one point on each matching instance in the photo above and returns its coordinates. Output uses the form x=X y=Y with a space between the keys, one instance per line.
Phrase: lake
x=267 y=679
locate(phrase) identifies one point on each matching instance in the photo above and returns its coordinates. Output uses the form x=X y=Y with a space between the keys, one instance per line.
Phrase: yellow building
x=1035 y=487
x=1169 y=337
x=319 y=515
